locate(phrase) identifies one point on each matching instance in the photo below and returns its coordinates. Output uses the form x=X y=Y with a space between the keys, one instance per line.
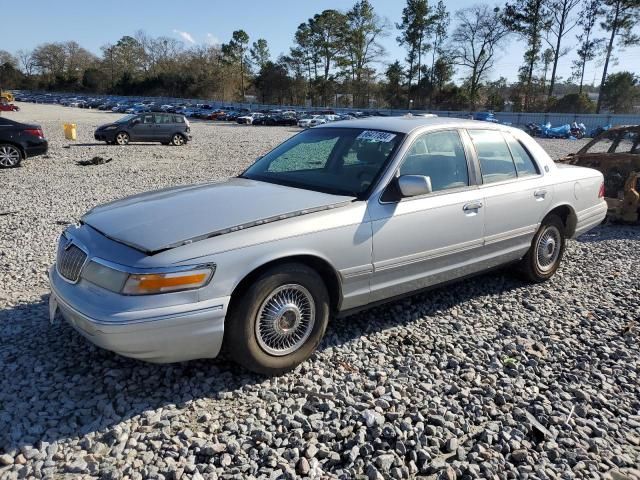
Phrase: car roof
x=407 y=124
x=5 y=122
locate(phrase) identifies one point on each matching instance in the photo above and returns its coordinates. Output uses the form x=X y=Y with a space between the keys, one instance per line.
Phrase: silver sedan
x=338 y=217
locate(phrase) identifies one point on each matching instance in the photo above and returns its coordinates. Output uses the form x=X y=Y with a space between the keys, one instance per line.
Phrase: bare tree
x=562 y=23
x=27 y=64
x=476 y=40
x=7 y=58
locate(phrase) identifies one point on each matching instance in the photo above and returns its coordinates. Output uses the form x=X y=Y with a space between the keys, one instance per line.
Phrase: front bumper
x=105 y=135
x=159 y=335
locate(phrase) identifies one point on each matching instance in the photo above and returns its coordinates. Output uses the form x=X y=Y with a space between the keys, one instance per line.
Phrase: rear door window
x=496 y=163
x=164 y=118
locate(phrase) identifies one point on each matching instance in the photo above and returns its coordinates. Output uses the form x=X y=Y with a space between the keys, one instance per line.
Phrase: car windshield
x=126 y=118
x=341 y=161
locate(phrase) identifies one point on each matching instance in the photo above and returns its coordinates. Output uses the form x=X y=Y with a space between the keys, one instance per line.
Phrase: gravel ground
x=489 y=378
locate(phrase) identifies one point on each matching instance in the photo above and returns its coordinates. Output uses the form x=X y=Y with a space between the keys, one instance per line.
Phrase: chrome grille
x=70 y=260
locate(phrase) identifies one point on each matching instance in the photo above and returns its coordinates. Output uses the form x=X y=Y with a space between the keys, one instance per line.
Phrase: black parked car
x=19 y=141
x=272 y=120
x=166 y=128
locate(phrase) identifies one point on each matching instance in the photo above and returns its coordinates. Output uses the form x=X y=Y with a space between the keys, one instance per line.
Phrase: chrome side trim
x=359 y=271
x=511 y=234
x=423 y=256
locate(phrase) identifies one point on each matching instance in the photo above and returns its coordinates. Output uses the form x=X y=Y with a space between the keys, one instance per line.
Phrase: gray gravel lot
x=488 y=378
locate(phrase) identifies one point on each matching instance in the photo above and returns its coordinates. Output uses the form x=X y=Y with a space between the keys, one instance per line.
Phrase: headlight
x=104 y=277
x=146 y=283
x=111 y=127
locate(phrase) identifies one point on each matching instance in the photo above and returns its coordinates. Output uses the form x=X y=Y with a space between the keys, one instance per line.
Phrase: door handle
x=472 y=206
x=540 y=194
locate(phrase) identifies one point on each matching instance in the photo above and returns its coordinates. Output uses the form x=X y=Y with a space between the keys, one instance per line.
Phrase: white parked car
x=248 y=119
x=312 y=121
x=336 y=218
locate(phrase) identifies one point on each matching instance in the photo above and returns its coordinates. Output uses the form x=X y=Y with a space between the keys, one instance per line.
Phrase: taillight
x=36 y=132
x=601 y=192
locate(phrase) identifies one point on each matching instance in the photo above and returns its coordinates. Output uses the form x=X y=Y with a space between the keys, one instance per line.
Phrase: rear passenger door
x=164 y=127
x=514 y=192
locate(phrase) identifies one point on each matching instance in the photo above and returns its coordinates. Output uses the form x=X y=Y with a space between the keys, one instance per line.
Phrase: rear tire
x=546 y=251
x=10 y=156
x=178 y=140
x=278 y=322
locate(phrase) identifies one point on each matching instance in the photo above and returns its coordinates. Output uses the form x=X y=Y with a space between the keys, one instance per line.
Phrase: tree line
x=336 y=55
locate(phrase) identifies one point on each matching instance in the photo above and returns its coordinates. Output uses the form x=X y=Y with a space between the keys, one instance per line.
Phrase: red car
x=9 y=107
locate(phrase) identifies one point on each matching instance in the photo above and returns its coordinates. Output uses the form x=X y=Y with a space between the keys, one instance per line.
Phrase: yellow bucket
x=70 y=131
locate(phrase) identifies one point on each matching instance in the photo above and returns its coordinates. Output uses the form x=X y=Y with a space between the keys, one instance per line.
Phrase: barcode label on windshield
x=375 y=136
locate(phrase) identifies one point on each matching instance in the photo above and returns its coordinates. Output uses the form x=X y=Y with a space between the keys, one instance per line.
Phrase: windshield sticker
x=375 y=136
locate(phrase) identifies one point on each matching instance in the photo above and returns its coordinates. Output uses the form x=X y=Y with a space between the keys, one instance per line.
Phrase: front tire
x=122 y=138
x=547 y=248
x=278 y=322
x=10 y=156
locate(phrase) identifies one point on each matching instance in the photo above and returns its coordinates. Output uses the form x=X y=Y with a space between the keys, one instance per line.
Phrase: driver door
x=425 y=240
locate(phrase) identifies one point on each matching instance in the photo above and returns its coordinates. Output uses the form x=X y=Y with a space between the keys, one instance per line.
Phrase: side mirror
x=414 y=185
x=135 y=121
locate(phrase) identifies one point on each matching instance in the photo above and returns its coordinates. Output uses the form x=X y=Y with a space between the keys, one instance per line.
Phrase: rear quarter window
x=525 y=166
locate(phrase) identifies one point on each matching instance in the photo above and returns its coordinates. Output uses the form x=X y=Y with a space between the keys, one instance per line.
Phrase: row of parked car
x=204 y=111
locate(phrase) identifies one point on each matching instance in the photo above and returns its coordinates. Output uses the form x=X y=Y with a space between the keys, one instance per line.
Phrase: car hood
x=156 y=221
x=102 y=127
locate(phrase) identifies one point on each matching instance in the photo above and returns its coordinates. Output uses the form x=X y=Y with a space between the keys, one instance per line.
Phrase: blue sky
x=202 y=21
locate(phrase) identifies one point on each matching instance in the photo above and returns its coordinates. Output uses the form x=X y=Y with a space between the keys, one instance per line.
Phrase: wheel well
x=323 y=268
x=568 y=217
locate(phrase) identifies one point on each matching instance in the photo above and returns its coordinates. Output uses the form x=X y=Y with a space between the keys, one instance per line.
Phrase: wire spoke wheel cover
x=9 y=156
x=285 y=320
x=548 y=248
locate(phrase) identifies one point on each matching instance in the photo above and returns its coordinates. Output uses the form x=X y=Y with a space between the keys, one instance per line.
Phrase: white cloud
x=212 y=39
x=186 y=36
